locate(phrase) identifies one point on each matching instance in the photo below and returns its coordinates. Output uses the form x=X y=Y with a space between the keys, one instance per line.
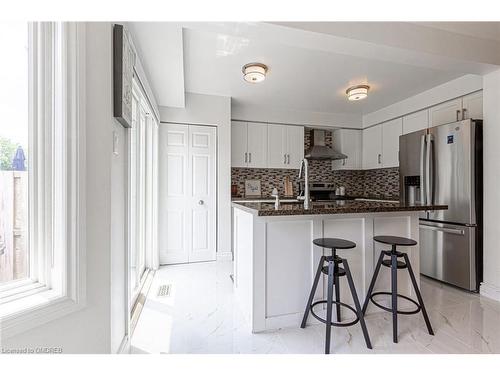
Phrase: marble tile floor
x=200 y=316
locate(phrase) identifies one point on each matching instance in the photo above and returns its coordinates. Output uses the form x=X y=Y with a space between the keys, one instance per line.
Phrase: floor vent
x=164 y=290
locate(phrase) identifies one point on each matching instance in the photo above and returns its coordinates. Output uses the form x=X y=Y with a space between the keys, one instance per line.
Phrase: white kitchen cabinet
x=416 y=121
x=295 y=140
x=391 y=130
x=348 y=142
x=372 y=147
x=472 y=106
x=257 y=145
x=446 y=112
x=285 y=146
x=239 y=144
x=248 y=144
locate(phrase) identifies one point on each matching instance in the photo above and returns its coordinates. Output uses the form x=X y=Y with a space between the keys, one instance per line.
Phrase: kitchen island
x=275 y=259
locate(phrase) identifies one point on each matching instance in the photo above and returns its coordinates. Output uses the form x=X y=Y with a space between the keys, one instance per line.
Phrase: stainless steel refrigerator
x=443 y=165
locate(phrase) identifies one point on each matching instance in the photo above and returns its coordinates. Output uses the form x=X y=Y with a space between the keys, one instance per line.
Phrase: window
x=42 y=141
x=14 y=179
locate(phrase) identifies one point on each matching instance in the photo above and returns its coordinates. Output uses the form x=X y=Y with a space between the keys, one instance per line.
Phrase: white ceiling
x=481 y=30
x=298 y=78
x=310 y=64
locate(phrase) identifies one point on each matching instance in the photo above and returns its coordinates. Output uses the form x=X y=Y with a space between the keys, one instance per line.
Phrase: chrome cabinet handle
x=200 y=202
x=288 y=158
x=463 y=113
x=249 y=157
x=458 y=114
x=343 y=161
x=246 y=158
x=284 y=158
x=379 y=157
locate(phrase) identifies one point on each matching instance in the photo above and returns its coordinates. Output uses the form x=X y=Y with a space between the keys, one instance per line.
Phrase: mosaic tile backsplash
x=371 y=182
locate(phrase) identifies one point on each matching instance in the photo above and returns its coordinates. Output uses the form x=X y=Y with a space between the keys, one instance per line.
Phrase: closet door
x=174 y=192
x=202 y=200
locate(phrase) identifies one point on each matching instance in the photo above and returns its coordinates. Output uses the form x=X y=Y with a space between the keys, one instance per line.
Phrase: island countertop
x=335 y=207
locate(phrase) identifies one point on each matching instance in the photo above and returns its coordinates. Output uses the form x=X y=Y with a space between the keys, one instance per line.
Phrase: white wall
x=90 y=330
x=491 y=161
x=285 y=116
x=210 y=110
x=447 y=91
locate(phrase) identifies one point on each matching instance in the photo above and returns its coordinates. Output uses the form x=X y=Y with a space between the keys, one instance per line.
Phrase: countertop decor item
x=252 y=188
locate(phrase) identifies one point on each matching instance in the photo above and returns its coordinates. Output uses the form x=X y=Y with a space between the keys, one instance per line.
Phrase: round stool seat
x=334 y=243
x=394 y=240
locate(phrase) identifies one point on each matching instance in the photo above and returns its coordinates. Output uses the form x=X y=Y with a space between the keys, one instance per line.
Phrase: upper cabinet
x=285 y=146
x=348 y=142
x=381 y=144
x=391 y=130
x=446 y=112
x=416 y=121
x=469 y=106
x=472 y=106
x=372 y=147
x=248 y=144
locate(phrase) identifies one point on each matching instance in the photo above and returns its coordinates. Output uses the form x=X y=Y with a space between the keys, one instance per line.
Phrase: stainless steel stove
x=323 y=191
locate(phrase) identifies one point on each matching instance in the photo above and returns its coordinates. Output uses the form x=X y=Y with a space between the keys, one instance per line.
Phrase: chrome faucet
x=304 y=166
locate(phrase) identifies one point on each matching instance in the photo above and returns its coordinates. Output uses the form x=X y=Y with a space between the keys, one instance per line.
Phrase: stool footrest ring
x=398 y=311
x=335 y=324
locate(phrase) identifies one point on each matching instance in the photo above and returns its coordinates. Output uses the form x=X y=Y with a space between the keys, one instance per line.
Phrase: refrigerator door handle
x=429 y=172
x=459 y=232
x=423 y=195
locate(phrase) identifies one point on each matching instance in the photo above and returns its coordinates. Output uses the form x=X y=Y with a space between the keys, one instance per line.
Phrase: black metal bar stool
x=334 y=272
x=394 y=265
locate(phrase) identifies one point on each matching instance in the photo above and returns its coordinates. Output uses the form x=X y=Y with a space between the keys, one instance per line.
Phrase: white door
x=445 y=113
x=295 y=147
x=188 y=188
x=391 y=130
x=372 y=147
x=202 y=189
x=239 y=155
x=277 y=146
x=257 y=145
x=473 y=106
x=416 y=121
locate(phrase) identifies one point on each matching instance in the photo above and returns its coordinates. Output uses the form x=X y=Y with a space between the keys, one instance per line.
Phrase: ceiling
x=298 y=78
x=311 y=64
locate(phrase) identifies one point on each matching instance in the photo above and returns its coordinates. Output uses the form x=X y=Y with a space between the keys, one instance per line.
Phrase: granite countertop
x=338 y=197
x=337 y=207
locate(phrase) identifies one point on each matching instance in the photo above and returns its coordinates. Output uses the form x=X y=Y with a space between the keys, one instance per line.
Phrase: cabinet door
x=416 y=121
x=239 y=144
x=276 y=146
x=391 y=130
x=372 y=147
x=445 y=113
x=257 y=145
x=473 y=106
x=295 y=146
x=348 y=142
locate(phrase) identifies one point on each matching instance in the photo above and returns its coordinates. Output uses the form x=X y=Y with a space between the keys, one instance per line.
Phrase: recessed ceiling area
x=297 y=78
x=310 y=65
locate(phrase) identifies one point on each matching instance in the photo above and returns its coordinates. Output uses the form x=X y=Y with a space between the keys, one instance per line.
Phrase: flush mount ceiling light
x=358 y=92
x=254 y=72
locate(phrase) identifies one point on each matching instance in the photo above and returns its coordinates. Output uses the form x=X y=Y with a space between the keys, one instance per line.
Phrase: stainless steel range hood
x=319 y=150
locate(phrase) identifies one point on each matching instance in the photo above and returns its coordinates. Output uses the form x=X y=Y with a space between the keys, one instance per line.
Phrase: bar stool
x=333 y=271
x=394 y=264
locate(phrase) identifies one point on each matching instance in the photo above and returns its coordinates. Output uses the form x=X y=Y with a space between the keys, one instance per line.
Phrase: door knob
x=200 y=202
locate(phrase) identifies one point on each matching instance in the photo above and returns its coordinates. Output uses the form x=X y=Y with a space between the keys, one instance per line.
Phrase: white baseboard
x=490 y=291
x=225 y=255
